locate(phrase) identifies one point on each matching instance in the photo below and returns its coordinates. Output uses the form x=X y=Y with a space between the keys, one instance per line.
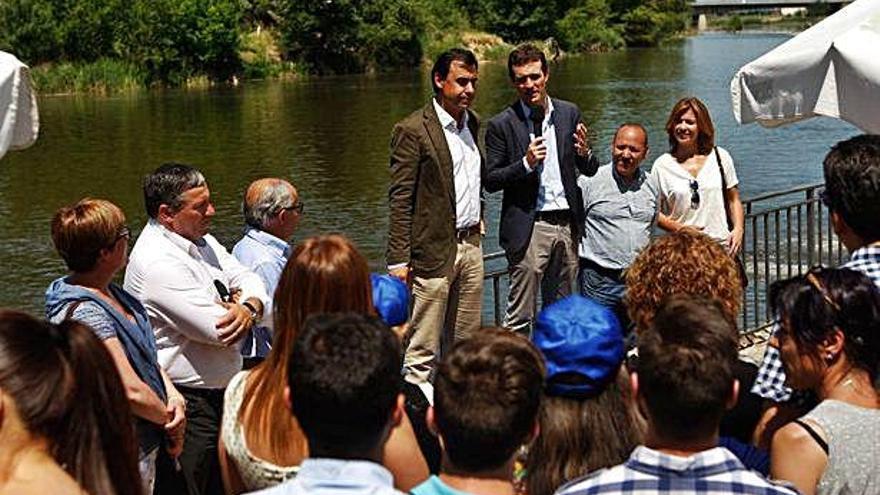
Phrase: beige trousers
x=445 y=309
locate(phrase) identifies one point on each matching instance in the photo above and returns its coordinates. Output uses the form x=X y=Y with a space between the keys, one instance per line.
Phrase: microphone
x=537 y=119
x=225 y=296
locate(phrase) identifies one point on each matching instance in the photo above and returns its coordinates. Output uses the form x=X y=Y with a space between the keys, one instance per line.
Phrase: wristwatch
x=255 y=315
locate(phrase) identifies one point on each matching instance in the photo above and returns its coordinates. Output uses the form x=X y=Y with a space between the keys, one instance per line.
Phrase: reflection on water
x=330 y=137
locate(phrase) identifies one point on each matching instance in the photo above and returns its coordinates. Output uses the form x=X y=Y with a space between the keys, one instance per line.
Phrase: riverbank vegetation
x=105 y=46
x=798 y=20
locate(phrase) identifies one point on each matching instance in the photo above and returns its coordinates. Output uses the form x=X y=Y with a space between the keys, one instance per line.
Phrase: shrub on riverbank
x=169 y=41
x=144 y=43
x=104 y=76
x=587 y=28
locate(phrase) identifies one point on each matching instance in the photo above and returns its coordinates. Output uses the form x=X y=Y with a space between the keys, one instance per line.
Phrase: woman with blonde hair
x=262 y=444
x=698 y=183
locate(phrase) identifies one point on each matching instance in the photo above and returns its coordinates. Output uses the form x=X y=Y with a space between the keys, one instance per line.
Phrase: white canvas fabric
x=831 y=69
x=19 y=118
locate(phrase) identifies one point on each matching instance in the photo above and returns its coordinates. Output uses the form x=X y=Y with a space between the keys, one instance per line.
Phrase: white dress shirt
x=551 y=192
x=465 y=167
x=174 y=279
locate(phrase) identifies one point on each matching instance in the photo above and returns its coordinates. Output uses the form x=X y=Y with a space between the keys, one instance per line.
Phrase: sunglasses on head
x=813 y=280
x=695 y=194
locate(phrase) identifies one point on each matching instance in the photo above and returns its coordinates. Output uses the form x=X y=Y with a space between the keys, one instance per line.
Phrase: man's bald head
x=265 y=200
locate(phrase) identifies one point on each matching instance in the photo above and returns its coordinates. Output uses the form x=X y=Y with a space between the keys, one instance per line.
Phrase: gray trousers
x=549 y=263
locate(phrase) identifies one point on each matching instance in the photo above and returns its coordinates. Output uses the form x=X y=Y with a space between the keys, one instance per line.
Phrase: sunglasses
x=813 y=280
x=695 y=195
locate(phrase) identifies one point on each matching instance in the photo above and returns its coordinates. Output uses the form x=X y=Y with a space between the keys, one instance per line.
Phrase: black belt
x=613 y=273
x=555 y=217
x=207 y=393
x=462 y=235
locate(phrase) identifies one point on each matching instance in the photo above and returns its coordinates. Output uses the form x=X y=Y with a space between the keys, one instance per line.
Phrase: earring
x=829 y=356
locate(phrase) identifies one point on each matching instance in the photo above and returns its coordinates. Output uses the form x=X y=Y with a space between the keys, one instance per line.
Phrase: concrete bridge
x=703 y=6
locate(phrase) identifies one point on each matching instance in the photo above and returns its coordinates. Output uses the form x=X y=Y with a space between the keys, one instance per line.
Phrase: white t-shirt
x=675 y=192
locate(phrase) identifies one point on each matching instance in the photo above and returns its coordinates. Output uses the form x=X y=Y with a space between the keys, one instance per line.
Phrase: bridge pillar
x=702 y=23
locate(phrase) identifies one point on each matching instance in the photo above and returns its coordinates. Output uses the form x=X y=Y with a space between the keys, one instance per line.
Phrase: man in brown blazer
x=435 y=213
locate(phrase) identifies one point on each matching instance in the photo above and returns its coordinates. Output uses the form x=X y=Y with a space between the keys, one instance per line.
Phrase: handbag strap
x=723 y=190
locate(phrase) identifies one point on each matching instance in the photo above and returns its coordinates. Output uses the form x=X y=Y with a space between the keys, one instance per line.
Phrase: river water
x=330 y=136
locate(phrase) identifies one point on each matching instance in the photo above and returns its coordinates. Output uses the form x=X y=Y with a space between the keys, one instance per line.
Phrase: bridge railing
x=786 y=233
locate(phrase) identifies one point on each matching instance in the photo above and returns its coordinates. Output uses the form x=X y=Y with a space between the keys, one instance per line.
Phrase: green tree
x=654 y=21
x=517 y=20
x=30 y=30
x=587 y=27
x=339 y=36
x=178 y=39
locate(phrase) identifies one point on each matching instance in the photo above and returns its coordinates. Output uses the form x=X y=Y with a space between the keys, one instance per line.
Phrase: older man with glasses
x=272 y=211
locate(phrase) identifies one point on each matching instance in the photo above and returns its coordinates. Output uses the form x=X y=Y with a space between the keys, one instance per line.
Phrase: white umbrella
x=19 y=118
x=831 y=69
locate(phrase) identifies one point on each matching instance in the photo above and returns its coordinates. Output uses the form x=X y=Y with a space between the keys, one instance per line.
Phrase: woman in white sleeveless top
x=261 y=442
x=830 y=343
x=693 y=191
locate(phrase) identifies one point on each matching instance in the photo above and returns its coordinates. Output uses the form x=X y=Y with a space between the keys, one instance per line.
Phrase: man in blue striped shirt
x=684 y=384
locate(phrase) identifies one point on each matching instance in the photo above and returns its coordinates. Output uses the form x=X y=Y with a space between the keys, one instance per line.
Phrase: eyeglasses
x=695 y=194
x=814 y=281
x=124 y=231
x=298 y=207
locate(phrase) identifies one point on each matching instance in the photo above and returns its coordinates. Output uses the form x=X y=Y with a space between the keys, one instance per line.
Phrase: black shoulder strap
x=822 y=443
x=723 y=190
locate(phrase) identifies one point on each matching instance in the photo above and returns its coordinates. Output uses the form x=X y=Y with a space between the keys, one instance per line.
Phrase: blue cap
x=390 y=298
x=579 y=338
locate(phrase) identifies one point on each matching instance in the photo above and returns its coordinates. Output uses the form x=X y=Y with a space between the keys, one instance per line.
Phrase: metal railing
x=786 y=233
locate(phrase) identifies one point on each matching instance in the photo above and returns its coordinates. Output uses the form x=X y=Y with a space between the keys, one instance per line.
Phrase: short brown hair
x=683 y=262
x=82 y=230
x=524 y=54
x=486 y=398
x=686 y=367
x=705 y=128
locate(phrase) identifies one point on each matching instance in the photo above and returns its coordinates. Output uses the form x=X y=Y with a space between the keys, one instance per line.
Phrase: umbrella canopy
x=831 y=69
x=19 y=118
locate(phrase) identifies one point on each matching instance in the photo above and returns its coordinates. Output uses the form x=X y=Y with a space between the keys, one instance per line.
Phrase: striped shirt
x=712 y=472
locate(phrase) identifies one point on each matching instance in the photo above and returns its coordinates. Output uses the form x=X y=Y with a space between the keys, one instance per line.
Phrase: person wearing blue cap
x=391 y=300
x=587 y=420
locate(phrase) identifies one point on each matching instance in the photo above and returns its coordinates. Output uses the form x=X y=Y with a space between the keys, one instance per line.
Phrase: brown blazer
x=421 y=197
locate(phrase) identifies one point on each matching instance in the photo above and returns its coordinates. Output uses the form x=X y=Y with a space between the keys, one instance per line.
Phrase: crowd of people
x=289 y=368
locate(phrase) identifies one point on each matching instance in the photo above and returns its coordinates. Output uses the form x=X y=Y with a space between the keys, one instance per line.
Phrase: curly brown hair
x=683 y=262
